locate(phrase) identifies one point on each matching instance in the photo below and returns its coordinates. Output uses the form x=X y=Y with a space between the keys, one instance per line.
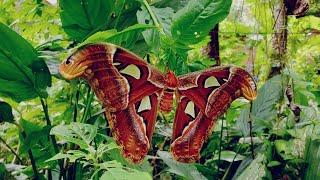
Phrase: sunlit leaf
x=23 y=75
x=125 y=38
x=193 y=23
x=81 y=19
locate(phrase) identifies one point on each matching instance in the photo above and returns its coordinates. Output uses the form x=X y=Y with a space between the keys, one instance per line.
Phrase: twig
x=11 y=149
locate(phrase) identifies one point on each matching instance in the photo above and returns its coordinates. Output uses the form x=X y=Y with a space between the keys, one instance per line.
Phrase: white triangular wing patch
x=190 y=109
x=132 y=70
x=145 y=104
x=210 y=82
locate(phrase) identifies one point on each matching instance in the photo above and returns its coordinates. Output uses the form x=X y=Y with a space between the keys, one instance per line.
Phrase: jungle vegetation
x=51 y=128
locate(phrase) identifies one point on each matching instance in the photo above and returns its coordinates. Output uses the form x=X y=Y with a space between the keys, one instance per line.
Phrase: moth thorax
x=166 y=100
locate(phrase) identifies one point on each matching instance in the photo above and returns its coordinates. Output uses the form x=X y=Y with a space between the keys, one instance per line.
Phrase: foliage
x=57 y=128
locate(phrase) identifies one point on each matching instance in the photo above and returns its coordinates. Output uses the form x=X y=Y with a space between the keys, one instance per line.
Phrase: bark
x=298 y=8
x=279 y=41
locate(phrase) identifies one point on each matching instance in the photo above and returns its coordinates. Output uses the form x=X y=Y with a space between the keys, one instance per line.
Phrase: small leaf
x=273 y=163
x=77 y=133
x=229 y=156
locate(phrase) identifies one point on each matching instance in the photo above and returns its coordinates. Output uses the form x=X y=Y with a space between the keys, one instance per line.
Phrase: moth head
x=248 y=86
x=172 y=80
x=76 y=64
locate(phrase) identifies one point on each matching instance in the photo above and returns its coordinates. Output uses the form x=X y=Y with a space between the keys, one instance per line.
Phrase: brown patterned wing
x=203 y=97
x=133 y=127
x=127 y=87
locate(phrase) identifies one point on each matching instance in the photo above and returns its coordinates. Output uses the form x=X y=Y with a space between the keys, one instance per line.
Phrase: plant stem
x=11 y=149
x=53 y=138
x=220 y=145
x=250 y=128
x=33 y=162
x=88 y=103
x=75 y=112
x=229 y=167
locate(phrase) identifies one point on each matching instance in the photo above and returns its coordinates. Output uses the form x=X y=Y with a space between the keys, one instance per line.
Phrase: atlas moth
x=132 y=91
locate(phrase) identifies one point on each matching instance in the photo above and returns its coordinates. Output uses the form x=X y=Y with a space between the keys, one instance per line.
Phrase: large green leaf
x=125 y=38
x=256 y=170
x=163 y=17
x=312 y=156
x=193 y=23
x=23 y=75
x=188 y=171
x=264 y=107
x=81 y=18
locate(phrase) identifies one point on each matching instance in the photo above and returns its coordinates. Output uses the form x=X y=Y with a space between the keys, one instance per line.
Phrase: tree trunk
x=214 y=45
x=279 y=41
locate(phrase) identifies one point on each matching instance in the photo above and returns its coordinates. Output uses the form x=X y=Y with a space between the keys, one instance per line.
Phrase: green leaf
x=124 y=174
x=188 y=171
x=6 y=112
x=13 y=43
x=18 y=79
x=312 y=157
x=116 y=155
x=125 y=38
x=243 y=122
x=71 y=155
x=285 y=148
x=193 y=23
x=82 y=18
x=255 y=171
x=264 y=106
x=273 y=163
x=42 y=77
x=37 y=141
x=164 y=18
x=229 y=156
x=77 y=133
